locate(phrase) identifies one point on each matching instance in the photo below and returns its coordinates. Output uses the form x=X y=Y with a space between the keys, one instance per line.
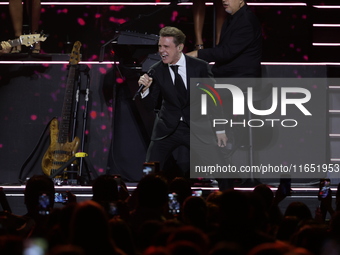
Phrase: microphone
x=141 y=86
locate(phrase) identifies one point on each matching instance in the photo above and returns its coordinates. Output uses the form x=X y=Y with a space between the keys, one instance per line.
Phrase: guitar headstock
x=75 y=54
x=28 y=40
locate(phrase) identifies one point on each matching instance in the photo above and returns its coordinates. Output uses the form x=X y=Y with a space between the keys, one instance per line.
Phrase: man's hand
x=192 y=54
x=222 y=140
x=145 y=80
x=5 y=47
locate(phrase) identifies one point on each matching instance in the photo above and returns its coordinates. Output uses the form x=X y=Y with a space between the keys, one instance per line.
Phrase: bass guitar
x=26 y=40
x=61 y=149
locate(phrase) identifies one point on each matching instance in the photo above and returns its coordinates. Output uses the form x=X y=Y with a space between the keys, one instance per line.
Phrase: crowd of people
x=115 y=221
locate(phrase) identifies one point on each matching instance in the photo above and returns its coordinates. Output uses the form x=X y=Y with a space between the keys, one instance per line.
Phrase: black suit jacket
x=239 y=51
x=163 y=89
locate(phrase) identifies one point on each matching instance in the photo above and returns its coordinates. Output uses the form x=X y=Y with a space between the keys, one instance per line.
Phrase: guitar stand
x=76 y=176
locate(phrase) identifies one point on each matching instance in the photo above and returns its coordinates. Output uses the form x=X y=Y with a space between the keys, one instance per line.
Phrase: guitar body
x=57 y=153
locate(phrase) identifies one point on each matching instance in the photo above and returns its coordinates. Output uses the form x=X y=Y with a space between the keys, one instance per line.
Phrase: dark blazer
x=163 y=89
x=239 y=51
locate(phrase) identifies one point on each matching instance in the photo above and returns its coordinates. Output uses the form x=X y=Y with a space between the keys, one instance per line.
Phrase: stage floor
x=302 y=193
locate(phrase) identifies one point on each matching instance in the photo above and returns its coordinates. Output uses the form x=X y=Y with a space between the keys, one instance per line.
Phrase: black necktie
x=179 y=85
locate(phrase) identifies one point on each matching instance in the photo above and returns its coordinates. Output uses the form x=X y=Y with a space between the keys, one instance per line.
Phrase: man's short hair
x=178 y=35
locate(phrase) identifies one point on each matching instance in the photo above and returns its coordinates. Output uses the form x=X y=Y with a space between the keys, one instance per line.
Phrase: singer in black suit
x=239 y=51
x=172 y=123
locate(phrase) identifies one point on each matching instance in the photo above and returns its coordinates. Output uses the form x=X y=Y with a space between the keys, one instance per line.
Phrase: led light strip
x=106 y=3
x=277 y=4
x=293 y=189
x=117 y=63
x=300 y=63
x=60 y=62
x=74 y=189
x=327 y=6
x=326 y=25
x=326 y=44
x=157 y=3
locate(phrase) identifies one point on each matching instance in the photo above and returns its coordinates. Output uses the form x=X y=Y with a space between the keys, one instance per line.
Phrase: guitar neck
x=65 y=124
x=65 y=127
x=15 y=42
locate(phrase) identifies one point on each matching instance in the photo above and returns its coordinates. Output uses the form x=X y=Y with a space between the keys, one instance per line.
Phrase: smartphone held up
x=324 y=188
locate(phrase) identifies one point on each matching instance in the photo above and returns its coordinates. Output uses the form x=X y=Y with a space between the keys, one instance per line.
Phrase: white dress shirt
x=182 y=70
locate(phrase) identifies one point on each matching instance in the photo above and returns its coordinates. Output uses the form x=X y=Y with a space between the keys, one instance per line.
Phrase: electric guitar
x=26 y=40
x=61 y=149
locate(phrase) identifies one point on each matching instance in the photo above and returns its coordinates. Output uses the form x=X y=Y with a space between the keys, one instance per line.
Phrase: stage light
x=326 y=25
x=326 y=44
x=327 y=6
x=164 y=3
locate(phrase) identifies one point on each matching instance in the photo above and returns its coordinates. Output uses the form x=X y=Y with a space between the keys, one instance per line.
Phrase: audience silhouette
x=232 y=222
x=89 y=229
